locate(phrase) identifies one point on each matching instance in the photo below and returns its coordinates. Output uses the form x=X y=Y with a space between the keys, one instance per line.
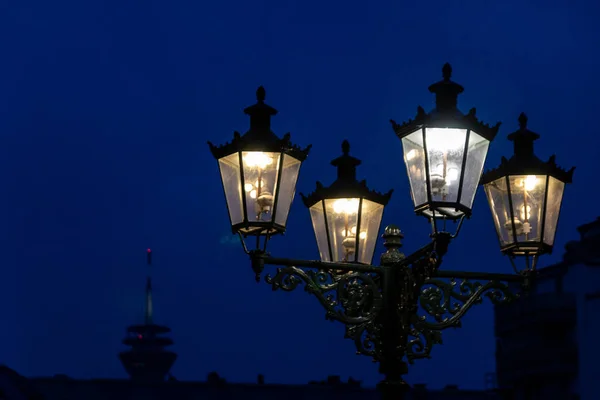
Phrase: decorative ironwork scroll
x=352 y=298
x=354 y=295
x=448 y=301
x=421 y=341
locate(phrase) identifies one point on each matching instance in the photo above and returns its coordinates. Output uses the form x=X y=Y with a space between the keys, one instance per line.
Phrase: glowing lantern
x=346 y=215
x=444 y=153
x=525 y=195
x=259 y=173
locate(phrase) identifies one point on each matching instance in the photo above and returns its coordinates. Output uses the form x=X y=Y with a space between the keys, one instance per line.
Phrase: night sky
x=106 y=110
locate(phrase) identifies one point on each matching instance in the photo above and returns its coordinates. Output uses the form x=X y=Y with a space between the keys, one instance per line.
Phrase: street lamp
x=346 y=215
x=525 y=195
x=444 y=152
x=393 y=312
x=259 y=173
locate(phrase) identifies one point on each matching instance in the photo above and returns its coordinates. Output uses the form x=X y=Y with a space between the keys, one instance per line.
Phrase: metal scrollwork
x=447 y=301
x=421 y=341
x=366 y=338
x=352 y=298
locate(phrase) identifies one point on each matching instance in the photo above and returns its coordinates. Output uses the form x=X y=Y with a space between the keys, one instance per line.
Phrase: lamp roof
x=524 y=161
x=260 y=137
x=445 y=114
x=346 y=185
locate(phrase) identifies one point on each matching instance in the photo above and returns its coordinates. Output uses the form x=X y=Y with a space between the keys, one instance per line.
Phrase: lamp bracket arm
x=448 y=295
x=321 y=265
x=260 y=258
x=351 y=297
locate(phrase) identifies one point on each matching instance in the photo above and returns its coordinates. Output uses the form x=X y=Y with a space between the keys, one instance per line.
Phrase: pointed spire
x=261 y=94
x=149 y=309
x=523 y=121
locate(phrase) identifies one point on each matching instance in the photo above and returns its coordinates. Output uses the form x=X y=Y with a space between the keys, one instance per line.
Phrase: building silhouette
x=61 y=387
x=546 y=343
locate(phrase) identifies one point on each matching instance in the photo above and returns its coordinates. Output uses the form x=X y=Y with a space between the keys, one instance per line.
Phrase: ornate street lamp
x=525 y=195
x=259 y=173
x=393 y=312
x=444 y=152
x=346 y=215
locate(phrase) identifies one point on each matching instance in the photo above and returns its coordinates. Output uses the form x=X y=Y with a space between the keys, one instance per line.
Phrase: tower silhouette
x=147 y=359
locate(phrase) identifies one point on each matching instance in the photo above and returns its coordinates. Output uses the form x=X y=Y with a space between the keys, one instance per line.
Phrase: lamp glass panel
x=287 y=188
x=260 y=184
x=497 y=195
x=414 y=158
x=317 y=215
x=342 y=220
x=476 y=154
x=555 y=194
x=445 y=148
x=527 y=193
x=370 y=222
x=229 y=166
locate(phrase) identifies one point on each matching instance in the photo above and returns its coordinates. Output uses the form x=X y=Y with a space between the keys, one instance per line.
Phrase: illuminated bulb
x=530 y=182
x=248 y=187
x=362 y=235
x=410 y=155
x=352 y=232
x=262 y=183
x=452 y=175
x=523 y=216
x=257 y=159
x=253 y=194
x=439 y=169
x=345 y=206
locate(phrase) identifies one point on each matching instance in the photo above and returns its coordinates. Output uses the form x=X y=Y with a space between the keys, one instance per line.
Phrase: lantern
x=525 y=195
x=346 y=215
x=444 y=153
x=259 y=173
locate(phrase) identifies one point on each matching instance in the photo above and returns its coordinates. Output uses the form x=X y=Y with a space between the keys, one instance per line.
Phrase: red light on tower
x=149 y=256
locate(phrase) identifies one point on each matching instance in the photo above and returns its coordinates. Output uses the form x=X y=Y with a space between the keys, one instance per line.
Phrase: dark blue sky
x=106 y=107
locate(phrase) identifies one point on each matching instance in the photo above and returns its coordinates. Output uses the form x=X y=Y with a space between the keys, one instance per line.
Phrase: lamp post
x=394 y=312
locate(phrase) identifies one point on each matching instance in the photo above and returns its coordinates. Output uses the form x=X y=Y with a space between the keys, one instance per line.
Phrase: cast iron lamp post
x=444 y=152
